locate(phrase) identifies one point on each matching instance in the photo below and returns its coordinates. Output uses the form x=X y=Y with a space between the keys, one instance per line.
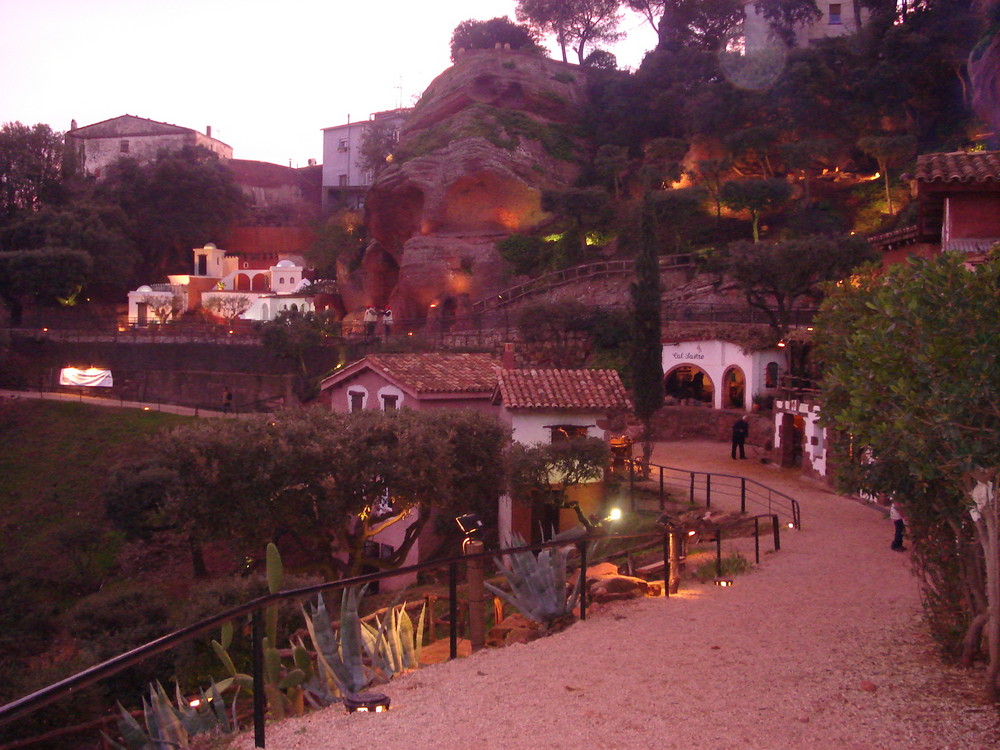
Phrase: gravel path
x=821 y=646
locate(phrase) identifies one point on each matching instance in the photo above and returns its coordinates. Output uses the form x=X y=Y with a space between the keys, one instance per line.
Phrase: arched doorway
x=734 y=387
x=689 y=384
x=259 y=283
x=242 y=282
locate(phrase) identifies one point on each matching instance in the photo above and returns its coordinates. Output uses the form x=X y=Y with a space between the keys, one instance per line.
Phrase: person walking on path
x=896 y=516
x=741 y=428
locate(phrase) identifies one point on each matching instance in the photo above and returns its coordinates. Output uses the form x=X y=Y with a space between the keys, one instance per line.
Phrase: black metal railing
x=703 y=488
x=47 y=696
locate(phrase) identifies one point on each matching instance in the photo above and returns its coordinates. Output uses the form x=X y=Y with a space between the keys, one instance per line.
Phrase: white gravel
x=821 y=646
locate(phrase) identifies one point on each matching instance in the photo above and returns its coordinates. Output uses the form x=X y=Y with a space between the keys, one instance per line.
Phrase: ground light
x=362 y=703
x=615 y=514
x=724 y=582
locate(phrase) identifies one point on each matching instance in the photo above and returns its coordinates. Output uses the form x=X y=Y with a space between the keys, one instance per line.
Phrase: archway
x=260 y=283
x=689 y=384
x=734 y=386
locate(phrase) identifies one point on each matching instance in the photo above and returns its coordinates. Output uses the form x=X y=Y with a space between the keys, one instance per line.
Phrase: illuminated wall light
x=724 y=582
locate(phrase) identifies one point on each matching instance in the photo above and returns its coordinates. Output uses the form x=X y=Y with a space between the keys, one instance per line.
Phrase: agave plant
x=538 y=584
x=167 y=726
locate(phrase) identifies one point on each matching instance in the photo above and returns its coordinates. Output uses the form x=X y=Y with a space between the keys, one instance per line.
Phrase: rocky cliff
x=487 y=136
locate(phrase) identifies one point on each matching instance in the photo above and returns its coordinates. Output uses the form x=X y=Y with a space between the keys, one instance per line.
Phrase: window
x=123 y=147
x=835 y=13
x=563 y=432
x=342 y=144
x=357 y=399
x=342 y=180
x=771 y=375
x=389 y=403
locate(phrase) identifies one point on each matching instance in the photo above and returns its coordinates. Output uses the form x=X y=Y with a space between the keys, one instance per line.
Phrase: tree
x=574 y=23
x=377 y=143
x=912 y=372
x=342 y=237
x=784 y=15
x=776 y=276
x=181 y=200
x=704 y=24
x=44 y=276
x=30 y=167
x=228 y=307
x=756 y=197
x=584 y=208
x=332 y=481
x=473 y=34
x=646 y=351
x=888 y=151
x=164 y=305
x=293 y=335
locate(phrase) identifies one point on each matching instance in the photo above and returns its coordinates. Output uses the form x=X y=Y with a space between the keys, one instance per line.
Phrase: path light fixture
x=470 y=526
x=724 y=582
x=615 y=514
x=362 y=703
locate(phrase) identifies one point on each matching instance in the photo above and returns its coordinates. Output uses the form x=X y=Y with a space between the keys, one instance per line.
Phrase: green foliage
x=755 y=196
x=340 y=243
x=538 y=584
x=168 y=726
x=30 y=167
x=41 y=275
x=911 y=373
x=377 y=143
x=525 y=254
x=473 y=34
x=732 y=565
x=545 y=471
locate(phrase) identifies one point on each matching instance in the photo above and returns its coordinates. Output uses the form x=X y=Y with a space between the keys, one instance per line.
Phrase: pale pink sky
x=266 y=75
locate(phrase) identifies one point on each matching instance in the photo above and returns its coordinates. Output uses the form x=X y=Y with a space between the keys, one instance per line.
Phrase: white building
x=720 y=374
x=837 y=19
x=345 y=180
x=95 y=147
x=225 y=286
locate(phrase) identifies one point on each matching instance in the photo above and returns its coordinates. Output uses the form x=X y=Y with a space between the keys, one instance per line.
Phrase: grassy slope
x=54 y=458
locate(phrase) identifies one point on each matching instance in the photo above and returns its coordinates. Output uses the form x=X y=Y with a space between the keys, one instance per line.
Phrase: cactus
x=167 y=727
x=538 y=584
x=340 y=653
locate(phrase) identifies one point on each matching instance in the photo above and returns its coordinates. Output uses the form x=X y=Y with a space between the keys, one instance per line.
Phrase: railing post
x=662 y=497
x=691 y=500
x=257 y=636
x=477 y=595
x=756 y=539
x=777 y=533
x=708 y=490
x=718 y=553
x=453 y=610
x=668 y=543
x=582 y=546
x=743 y=495
x=631 y=483
x=673 y=580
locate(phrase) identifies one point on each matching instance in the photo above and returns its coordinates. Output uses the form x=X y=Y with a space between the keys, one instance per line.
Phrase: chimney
x=208 y=130
x=507 y=360
x=72 y=124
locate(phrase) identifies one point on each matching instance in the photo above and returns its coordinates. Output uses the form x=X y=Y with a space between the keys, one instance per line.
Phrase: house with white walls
x=345 y=177
x=225 y=286
x=719 y=374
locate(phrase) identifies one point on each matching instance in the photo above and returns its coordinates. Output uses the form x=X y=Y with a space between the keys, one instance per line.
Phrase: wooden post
x=674 y=579
x=477 y=595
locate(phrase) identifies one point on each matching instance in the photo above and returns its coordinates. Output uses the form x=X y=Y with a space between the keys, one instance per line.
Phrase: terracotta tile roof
x=439 y=372
x=262 y=173
x=562 y=389
x=959 y=166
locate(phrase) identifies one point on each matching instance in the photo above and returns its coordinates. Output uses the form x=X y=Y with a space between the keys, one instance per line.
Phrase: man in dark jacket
x=741 y=428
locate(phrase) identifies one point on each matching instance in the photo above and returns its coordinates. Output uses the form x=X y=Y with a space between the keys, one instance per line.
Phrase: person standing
x=896 y=516
x=227 y=401
x=371 y=318
x=387 y=321
x=741 y=429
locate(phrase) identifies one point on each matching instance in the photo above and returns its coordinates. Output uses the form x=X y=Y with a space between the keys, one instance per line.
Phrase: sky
x=266 y=76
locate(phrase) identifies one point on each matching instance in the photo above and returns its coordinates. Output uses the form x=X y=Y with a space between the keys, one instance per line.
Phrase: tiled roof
x=128 y=125
x=562 y=389
x=959 y=166
x=439 y=372
x=262 y=173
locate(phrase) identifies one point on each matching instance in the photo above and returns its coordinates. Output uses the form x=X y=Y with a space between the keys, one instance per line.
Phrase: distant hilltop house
x=95 y=147
x=836 y=19
x=345 y=179
x=226 y=286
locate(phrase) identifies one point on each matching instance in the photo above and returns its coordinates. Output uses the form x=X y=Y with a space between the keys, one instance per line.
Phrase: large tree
x=576 y=24
x=43 y=276
x=181 y=200
x=912 y=374
x=646 y=345
x=328 y=482
x=777 y=277
x=705 y=24
x=30 y=167
x=756 y=196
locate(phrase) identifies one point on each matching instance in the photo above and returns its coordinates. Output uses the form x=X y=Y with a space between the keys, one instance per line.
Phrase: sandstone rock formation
x=488 y=135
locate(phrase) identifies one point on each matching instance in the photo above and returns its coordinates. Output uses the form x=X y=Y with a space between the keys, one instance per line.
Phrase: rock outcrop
x=488 y=135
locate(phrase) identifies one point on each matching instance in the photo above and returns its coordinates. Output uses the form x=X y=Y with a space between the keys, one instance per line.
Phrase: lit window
x=835 y=13
x=564 y=432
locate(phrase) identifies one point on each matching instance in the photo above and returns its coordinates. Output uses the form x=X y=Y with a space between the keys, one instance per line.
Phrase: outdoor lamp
x=469 y=524
x=615 y=514
x=366 y=703
x=724 y=582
